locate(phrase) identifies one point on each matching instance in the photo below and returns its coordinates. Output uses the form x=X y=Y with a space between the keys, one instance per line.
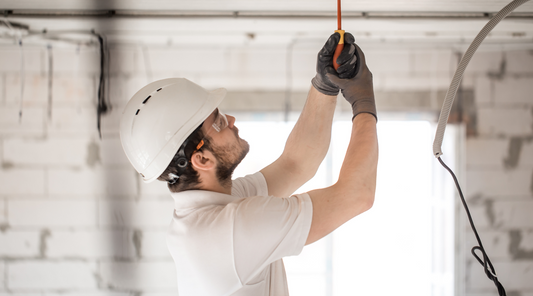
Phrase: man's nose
x=231 y=120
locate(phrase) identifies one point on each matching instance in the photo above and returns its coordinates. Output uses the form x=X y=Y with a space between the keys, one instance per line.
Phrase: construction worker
x=227 y=237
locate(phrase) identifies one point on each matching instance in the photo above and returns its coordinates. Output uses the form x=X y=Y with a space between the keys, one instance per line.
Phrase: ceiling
x=392 y=23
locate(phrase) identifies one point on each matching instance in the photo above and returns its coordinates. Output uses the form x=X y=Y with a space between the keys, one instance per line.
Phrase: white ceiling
x=268 y=5
x=441 y=23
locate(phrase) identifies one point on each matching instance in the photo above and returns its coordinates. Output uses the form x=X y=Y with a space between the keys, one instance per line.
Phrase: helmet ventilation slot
x=145 y=100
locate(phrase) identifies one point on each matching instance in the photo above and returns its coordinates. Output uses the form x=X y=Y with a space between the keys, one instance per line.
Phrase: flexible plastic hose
x=452 y=91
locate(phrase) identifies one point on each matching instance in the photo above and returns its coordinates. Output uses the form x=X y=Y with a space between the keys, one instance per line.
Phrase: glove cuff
x=321 y=87
x=364 y=106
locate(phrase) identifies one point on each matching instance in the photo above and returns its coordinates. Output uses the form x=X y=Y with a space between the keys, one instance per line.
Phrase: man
x=227 y=237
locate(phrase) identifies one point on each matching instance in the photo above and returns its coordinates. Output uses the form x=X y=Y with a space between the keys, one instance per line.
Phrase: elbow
x=359 y=199
x=368 y=201
x=302 y=171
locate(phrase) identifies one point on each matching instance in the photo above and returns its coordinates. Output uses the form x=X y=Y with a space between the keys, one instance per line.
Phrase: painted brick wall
x=76 y=219
x=499 y=171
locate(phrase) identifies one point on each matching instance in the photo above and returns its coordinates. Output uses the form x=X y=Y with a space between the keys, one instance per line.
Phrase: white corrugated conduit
x=490 y=271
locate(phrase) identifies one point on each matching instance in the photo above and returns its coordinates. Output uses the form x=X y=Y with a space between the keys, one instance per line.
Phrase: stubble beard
x=229 y=157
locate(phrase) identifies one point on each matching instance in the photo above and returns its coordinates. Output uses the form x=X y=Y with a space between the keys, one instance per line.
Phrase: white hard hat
x=159 y=118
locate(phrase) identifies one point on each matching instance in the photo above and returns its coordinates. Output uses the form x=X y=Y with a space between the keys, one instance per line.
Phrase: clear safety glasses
x=221 y=121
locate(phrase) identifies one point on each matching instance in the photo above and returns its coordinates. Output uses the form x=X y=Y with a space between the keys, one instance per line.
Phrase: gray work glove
x=359 y=90
x=324 y=63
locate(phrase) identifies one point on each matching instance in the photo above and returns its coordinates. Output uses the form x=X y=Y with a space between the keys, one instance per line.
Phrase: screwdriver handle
x=338 y=50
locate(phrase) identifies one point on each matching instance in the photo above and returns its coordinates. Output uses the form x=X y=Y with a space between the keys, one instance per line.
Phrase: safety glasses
x=220 y=122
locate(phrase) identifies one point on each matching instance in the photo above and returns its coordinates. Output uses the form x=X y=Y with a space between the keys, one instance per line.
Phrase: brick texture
x=499 y=183
x=509 y=122
x=92 y=244
x=55 y=151
x=32 y=122
x=35 y=92
x=12 y=181
x=515 y=276
x=42 y=275
x=19 y=244
x=144 y=213
x=514 y=90
x=86 y=225
x=48 y=213
x=520 y=62
x=486 y=152
x=91 y=182
x=3 y=212
x=150 y=276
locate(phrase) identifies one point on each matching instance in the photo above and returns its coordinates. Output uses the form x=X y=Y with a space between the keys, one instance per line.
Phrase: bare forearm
x=309 y=140
x=359 y=169
x=306 y=146
x=354 y=192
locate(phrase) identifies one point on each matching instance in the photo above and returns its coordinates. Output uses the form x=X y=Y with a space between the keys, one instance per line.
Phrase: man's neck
x=213 y=184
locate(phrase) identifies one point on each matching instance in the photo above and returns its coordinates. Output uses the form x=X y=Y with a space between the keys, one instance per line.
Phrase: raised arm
x=354 y=191
x=309 y=140
x=306 y=146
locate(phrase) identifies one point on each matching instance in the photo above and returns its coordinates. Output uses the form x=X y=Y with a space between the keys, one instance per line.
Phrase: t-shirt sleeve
x=250 y=185
x=267 y=229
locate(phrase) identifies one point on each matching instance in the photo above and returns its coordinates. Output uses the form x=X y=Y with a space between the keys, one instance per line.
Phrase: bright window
x=403 y=245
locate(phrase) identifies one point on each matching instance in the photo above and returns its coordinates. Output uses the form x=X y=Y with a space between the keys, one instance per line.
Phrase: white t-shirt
x=233 y=244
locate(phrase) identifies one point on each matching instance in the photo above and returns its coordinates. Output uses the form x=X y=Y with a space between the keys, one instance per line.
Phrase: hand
x=358 y=90
x=324 y=64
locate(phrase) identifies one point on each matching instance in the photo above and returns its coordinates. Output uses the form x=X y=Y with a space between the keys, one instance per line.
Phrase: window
x=403 y=245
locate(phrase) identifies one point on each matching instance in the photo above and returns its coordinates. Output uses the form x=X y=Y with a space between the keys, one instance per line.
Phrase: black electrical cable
x=487 y=265
x=102 y=107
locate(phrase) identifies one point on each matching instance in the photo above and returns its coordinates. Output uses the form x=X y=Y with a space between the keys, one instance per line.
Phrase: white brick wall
x=441 y=62
x=2 y=276
x=49 y=275
x=486 y=152
x=140 y=214
x=520 y=62
x=148 y=276
x=3 y=212
x=517 y=90
x=48 y=213
x=74 y=91
x=496 y=243
x=92 y=244
x=18 y=244
x=501 y=194
x=484 y=62
x=11 y=57
x=35 y=90
x=91 y=182
x=52 y=151
x=22 y=181
x=76 y=219
x=513 y=214
x=498 y=183
x=31 y=124
x=73 y=62
x=483 y=90
x=515 y=276
x=154 y=245
x=509 y=122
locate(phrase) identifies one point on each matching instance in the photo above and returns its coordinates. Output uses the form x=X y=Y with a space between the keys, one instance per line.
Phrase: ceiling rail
x=252 y=14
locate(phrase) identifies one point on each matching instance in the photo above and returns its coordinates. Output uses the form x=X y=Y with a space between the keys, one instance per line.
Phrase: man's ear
x=203 y=160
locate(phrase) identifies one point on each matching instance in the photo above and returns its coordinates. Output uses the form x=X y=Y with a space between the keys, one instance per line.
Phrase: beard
x=229 y=157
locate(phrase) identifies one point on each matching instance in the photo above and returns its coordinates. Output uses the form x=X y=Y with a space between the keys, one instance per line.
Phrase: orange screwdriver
x=340 y=46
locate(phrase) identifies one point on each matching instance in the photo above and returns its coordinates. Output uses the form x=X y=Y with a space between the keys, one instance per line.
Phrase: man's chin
x=245 y=148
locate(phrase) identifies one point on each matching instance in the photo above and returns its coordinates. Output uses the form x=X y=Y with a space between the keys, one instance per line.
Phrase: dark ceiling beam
x=251 y=14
